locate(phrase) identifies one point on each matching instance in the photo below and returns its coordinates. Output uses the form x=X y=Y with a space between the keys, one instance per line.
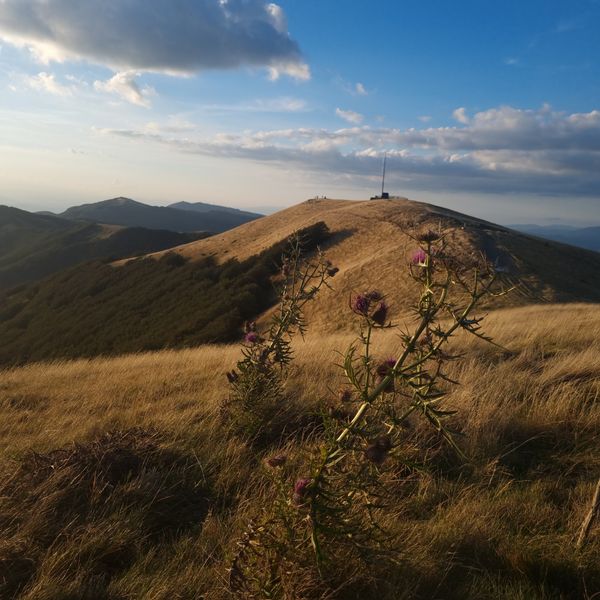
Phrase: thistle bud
x=380 y=315
x=251 y=337
x=378 y=450
x=345 y=395
x=429 y=236
x=383 y=370
x=301 y=489
x=276 y=461
x=374 y=296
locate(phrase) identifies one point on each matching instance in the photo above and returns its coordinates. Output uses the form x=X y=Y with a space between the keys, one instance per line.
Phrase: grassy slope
x=34 y=246
x=369 y=244
x=96 y=309
x=502 y=527
x=85 y=243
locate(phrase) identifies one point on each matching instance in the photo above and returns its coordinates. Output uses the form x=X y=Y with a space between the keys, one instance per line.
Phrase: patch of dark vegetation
x=25 y=402
x=86 y=512
x=147 y=304
x=536 y=451
x=35 y=246
x=497 y=580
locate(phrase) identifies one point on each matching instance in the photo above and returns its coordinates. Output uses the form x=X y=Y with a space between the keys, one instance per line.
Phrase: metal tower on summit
x=384 y=195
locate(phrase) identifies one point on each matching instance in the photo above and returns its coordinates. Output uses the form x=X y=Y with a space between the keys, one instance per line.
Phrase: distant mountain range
x=33 y=246
x=181 y=216
x=583 y=237
x=203 y=207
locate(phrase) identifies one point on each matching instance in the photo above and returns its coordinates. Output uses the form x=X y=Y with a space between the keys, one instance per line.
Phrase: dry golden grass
x=48 y=404
x=503 y=526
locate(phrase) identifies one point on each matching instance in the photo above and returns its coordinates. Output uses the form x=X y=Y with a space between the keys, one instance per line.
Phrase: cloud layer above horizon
x=146 y=96
x=152 y=36
x=502 y=149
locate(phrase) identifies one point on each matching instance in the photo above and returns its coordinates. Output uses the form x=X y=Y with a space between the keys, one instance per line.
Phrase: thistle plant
x=328 y=506
x=256 y=385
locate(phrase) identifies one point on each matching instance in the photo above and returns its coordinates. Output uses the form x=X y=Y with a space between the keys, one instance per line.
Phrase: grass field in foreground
x=154 y=511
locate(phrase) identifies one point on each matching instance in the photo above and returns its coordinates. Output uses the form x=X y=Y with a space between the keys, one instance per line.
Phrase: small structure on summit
x=384 y=195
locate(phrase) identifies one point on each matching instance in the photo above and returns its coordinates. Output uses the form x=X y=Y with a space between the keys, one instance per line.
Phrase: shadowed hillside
x=33 y=246
x=97 y=309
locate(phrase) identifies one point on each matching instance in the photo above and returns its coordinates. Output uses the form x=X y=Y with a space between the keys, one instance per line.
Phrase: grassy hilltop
x=120 y=479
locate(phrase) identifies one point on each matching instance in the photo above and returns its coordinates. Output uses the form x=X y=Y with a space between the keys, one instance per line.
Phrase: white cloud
x=424 y=118
x=173 y=124
x=299 y=71
x=353 y=88
x=126 y=87
x=503 y=149
x=156 y=35
x=46 y=82
x=460 y=114
x=281 y=104
x=360 y=89
x=349 y=115
x=278 y=18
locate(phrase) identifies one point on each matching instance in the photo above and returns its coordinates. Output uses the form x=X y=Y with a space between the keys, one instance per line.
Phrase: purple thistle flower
x=361 y=304
x=301 y=488
x=419 y=258
x=380 y=315
x=251 y=337
x=386 y=366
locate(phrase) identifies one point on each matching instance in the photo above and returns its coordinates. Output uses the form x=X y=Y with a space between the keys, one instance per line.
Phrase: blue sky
x=490 y=108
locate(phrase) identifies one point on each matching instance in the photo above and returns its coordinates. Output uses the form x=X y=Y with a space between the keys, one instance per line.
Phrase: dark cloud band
x=182 y=36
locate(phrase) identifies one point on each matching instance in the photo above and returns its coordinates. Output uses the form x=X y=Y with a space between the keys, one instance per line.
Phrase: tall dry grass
x=503 y=525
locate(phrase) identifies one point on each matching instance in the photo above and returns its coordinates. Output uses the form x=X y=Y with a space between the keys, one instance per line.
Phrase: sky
x=488 y=108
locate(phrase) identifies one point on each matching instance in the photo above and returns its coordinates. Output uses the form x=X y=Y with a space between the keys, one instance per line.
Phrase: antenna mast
x=383 y=175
